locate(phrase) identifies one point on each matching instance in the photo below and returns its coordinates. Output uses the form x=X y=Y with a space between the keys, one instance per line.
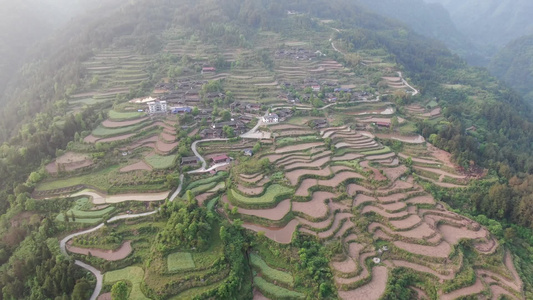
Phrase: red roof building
x=220 y=159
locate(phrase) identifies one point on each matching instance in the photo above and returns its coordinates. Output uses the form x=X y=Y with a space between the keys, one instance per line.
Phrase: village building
x=189 y=160
x=221 y=159
x=384 y=124
x=181 y=110
x=319 y=123
x=157 y=106
x=248 y=152
x=271 y=118
x=284 y=114
x=316 y=88
x=235 y=124
x=208 y=70
x=211 y=133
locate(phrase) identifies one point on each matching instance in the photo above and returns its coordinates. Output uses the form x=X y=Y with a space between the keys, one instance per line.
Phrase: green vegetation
x=385 y=150
x=124 y=116
x=196 y=183
x=98 y=179
x=102 y=131
x=180 y=261
x=273 y=194
x=274 y=291
x=134 y=275
x=270 y=273
x=161 y=162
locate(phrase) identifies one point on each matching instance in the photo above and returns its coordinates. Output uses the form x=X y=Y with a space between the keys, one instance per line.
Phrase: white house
x=156 y=107
x=270 y=118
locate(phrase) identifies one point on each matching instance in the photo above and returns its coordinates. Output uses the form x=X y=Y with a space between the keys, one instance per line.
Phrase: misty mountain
x=490 y=23
x=24 y=23
x=514 y=64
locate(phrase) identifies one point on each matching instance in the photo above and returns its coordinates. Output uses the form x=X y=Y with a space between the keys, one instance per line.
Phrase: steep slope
x=491 y=23
x=428 y=19
x=514 y=65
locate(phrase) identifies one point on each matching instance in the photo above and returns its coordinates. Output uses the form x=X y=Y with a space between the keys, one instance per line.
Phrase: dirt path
x=108 y=255
x=372 y=290
x=101 y=198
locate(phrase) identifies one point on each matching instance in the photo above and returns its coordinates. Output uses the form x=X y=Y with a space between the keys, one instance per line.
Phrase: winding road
x=415 y=91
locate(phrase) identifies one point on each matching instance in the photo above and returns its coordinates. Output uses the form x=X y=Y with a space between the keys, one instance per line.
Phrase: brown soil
x=420 y=232
x=294 y=175
x=164 y=147
x=372 y=290
x=395 y=173
x=354 y=188
x=108 y=255
x=281 y=235
x=315 y=208
x=497 y=291
x=90 y=139
x=419 y=160
x=312 y=164
x=336 y=223
x=257 y=296
x=345 y=227
x=250 y=190
x=418 y=139
x=251 y=179
x=510 y=265
x=69 y=161
x=141 y=165
x=381 y=156
x=441 y=155
x=347 y=157
x=145 y=142
x=345 y=266
x=304 y=187
x=116 y=138
x=453 y=234
x=427 y=199
x=379 y=211
x=112 y=124
x=299 y=147
x=423 y=269
x=275 y=214
x=339 y=178
x=167 y=137
x=411 y=221
x=105 y=296
x=477 y=288
x=21 y=218
x=361 y=198
x=203 y=197
x=440 y=172
x=441 y=250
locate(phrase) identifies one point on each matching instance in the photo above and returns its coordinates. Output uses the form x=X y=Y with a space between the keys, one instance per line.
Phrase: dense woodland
x=36 y=124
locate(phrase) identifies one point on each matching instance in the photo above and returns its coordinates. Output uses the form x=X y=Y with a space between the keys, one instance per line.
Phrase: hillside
x=514 y=64
x=430 y=20
x=491 y=23
x=293 y=152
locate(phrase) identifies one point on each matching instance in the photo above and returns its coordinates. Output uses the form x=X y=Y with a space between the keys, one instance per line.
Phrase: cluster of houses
x=295 y=54
x=245 y=107
x=216 y=129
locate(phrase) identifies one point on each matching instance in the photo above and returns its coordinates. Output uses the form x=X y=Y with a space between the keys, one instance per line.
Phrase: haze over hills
x=23 y=24
x=280 y=149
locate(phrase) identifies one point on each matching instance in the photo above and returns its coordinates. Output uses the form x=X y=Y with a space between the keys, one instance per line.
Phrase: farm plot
x=134 y=275
x=275 y=291
x=119 y=254
x=275 y=214
x=269 y=272
x=70 y=161
x=180 y=261
x=272 y=195
x=161 y=162
x=124 y=116
x=281 y=235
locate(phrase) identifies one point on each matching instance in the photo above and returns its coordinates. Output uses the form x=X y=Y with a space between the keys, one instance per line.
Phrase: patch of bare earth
x=372 y=290
x=477 y=288
x=441 y=250
x=294 y=175
x=345 y=266
x=105 y=296
x=281 y=235
x=108 y=255
x=316 y=208
x=299 y=147
x=141 y=165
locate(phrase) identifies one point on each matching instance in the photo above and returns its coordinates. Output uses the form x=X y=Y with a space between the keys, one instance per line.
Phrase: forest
x=37 y=123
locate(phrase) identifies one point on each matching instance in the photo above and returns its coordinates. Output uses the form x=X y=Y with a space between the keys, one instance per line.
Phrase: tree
x=82 y=290
x=228 y=131
x=119 y=291
x=226 y=116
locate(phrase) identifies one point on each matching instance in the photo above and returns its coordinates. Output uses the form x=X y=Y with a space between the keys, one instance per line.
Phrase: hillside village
x=293 y=148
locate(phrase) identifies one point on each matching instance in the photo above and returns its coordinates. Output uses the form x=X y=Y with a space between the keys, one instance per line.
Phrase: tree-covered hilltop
x=75 y=99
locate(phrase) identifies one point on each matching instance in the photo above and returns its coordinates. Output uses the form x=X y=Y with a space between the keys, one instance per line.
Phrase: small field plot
x=124 y=116
x=197 y=183
x=268 y=272
x=272 y=195
x=161 y=162
x=102 y=131
x=97 y=179
x=132 y=274
x=180 y=261
x=274 y=291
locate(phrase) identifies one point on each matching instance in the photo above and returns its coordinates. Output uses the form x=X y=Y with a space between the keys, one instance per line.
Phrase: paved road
x=415 y=91
x=195 y=151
